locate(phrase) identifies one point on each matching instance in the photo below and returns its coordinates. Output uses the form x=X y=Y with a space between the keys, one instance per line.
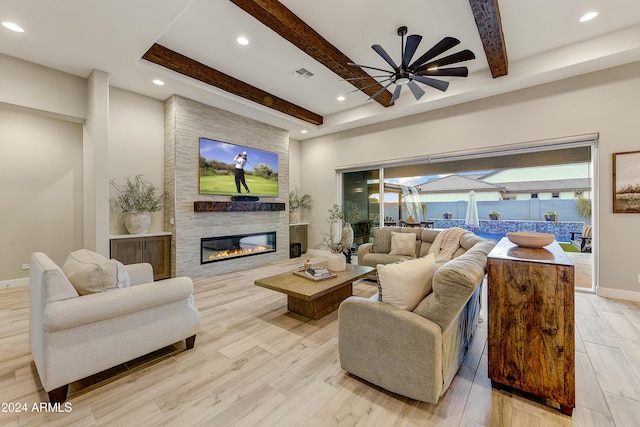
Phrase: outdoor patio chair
x=582 y=239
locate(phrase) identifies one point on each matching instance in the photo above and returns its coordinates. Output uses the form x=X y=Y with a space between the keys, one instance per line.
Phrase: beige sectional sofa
x=379 y=252
x=416 y=353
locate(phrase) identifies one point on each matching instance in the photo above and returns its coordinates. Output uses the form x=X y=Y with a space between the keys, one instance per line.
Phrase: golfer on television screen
x=241 y=160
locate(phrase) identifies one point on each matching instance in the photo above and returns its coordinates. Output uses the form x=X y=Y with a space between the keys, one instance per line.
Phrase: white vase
x=336 y=262
x=137 y=222
x=347 y=236
x=294 y=216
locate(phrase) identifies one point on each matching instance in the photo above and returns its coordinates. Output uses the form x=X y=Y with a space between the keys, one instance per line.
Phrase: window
x=555 y=195
x=534 y=195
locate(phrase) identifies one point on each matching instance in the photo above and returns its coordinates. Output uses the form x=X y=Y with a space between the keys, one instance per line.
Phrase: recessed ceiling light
x=158 y=82
x=303 y=131
x=13 y=27
x=341 y=98
x=588 y=16
x=242 y=40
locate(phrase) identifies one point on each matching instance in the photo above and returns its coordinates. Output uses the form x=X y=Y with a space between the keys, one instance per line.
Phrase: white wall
x=28 y=85
x=41 y=188
x=294 y=164
x=35 y=100
x=605 y=102
x=136 y=146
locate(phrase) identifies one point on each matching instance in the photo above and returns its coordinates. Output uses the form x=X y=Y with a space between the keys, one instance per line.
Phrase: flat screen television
x=219 y=174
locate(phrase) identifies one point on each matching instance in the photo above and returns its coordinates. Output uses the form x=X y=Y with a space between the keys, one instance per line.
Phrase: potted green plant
x=336 y=260
x=349 y=215
x=552 y=216
x=138 y=199
x=495 y=216
x=298 y=202
x=447 y=215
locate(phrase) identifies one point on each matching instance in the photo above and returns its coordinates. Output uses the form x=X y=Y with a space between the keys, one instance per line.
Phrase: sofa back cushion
x=90 y=272
x=405 y=283
x=382 y=238
x=403 y=244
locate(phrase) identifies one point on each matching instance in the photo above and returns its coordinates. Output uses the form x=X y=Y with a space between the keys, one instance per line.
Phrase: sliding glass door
x=527 y=186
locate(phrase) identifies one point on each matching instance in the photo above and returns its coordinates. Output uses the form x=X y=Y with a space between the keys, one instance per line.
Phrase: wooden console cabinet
x=153 y=248
x=531 y=321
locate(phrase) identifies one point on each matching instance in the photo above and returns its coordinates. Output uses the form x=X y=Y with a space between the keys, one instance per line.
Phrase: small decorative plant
x=495 y=215
x=299 y=200
x=447 y=215
x=137 y=195
x=348 y=214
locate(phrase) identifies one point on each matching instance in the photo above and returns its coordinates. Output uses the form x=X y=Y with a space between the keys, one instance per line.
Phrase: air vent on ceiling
x=302 y=72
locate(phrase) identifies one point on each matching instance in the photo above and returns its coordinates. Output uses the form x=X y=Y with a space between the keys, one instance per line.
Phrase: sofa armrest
x=390 y=347
x=140 y=273
x=83 y=310
x=364 y=249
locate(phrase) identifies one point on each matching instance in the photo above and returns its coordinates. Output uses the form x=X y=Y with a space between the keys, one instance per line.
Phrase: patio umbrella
x=472 y=211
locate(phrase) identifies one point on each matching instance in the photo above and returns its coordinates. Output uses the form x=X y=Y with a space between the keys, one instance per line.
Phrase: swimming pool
x=498 y=236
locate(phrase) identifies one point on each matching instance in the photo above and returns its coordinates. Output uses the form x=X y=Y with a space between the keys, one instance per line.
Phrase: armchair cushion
x=403 y=244
x=90 y=272
x=406 y=283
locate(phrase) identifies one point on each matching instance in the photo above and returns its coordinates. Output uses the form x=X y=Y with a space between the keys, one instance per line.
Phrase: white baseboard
x=15 y=283
x=618 y=294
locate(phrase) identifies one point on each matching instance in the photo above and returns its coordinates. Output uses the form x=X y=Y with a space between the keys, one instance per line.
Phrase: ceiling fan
x=418 y=71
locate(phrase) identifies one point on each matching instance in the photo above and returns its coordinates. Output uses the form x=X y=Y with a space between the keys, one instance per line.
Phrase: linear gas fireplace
x=214 y=249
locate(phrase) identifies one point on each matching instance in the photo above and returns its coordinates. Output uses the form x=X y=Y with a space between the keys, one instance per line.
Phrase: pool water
x=498 y=236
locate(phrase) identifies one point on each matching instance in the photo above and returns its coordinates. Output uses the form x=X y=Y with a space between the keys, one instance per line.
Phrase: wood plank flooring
x=255 y=364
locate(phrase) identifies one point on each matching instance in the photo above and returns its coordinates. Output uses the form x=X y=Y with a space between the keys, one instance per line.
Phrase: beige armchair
x=73 y=336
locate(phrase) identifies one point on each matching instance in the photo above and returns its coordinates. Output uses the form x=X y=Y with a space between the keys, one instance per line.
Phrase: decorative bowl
x=530 y=239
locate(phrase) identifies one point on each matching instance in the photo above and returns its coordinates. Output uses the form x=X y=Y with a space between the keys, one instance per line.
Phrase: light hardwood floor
x=255 y=364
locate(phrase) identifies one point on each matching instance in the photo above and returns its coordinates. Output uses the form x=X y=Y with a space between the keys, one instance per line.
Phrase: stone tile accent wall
x=185 y=122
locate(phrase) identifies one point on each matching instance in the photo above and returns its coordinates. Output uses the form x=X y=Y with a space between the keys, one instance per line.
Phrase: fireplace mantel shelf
x=210 y=206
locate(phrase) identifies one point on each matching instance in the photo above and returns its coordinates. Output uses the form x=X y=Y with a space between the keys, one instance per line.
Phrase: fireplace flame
x=227 y=253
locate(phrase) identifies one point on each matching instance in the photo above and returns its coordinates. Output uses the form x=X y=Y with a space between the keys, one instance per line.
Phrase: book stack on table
x=318 y=272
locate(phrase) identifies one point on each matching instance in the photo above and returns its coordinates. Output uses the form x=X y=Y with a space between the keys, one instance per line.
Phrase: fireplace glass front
x=223 y=248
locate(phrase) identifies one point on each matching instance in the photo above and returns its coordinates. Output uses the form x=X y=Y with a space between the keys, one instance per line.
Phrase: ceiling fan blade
x=437 y=84
x=463 y=55
x=415 y=89
x=442 y=46
x=371 y=68
x=380 y=51
x=449 y=72
x=410 y=49
x=380 y=91
x=368 y=86
x=396 y=93
x=362 y=78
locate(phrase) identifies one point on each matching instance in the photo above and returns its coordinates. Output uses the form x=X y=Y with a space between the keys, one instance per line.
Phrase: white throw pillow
x=405 y=284
x=90 y=272
x=403 y=244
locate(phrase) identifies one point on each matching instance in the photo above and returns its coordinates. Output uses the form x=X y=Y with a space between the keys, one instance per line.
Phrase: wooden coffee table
x=315 y=299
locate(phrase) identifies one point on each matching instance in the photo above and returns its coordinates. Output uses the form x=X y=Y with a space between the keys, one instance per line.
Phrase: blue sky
x=225 y=152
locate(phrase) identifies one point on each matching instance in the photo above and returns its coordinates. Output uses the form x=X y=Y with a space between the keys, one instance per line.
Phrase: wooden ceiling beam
x=487 y=16
x=284 y=22
x=184 y=65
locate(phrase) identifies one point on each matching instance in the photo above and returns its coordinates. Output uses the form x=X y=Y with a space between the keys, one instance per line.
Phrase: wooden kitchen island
x=531 y=321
